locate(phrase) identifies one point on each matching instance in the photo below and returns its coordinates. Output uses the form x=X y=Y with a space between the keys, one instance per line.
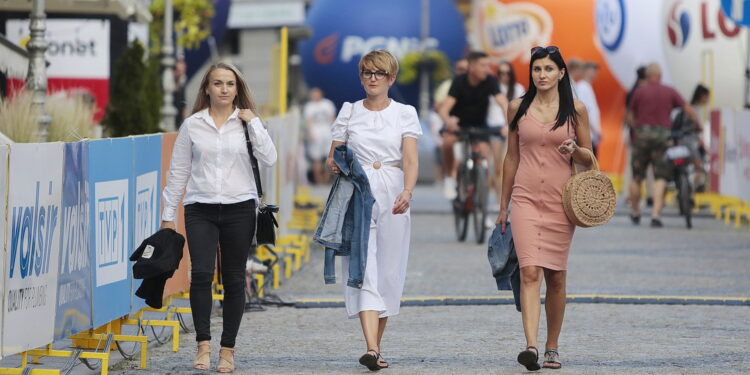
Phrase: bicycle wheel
x=481 y=191
x=683 y=198
x=460 y=214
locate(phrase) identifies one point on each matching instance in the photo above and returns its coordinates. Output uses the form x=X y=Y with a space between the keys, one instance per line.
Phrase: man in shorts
x=649 y=113
x=466 y=106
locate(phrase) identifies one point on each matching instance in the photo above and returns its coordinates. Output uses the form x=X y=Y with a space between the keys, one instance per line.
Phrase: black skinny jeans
x=229 y=227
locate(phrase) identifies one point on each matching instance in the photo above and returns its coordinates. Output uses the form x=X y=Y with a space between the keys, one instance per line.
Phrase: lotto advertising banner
x=74 y=280
x=147 y=195
x=32 y=245
x=3 y=206
x=692 y=40
x=344 y=31
x=508 y=29
x=179 y=282
x=110 y=179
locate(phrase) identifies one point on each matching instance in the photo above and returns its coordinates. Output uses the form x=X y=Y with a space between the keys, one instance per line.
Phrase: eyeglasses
x=550 y=50
x=367 y=74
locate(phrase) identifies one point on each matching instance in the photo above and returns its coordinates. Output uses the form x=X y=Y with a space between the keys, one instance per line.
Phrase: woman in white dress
x=383 y=134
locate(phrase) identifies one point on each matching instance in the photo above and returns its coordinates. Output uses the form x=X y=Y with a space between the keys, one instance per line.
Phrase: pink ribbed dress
x=541 y=232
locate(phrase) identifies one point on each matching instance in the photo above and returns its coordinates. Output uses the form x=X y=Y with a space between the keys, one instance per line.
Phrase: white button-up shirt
x=213 y=162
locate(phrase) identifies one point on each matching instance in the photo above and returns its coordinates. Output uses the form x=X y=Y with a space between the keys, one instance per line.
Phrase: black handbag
x=266 y=224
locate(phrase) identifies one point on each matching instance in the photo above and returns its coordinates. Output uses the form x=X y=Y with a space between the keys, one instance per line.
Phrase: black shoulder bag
x=266 y=223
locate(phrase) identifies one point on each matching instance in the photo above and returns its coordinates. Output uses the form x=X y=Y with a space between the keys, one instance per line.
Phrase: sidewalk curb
x=508 y=300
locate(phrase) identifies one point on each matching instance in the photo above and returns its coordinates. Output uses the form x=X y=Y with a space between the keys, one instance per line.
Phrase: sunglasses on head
x=550 y=49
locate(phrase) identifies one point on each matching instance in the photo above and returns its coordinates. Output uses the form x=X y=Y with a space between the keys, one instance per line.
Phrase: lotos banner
x=147 y=216
x=74 y=280
x=110 y=179
x=33 y=245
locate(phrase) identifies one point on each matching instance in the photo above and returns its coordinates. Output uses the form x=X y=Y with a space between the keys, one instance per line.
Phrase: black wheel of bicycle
x=481 y=191
x=683 y=198
x=460 y=214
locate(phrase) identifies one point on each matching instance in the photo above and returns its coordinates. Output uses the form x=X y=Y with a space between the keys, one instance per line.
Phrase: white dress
x=376 y=136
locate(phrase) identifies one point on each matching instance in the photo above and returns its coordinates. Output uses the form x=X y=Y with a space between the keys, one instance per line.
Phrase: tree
x=135 y=95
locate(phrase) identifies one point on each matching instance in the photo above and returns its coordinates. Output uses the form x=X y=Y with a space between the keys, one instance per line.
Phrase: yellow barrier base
x=175 y=325
x=22 y=371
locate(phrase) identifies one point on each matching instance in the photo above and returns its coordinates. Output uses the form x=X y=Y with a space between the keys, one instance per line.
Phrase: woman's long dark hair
x=700 y=91
x=511 y=94
x=567 y=108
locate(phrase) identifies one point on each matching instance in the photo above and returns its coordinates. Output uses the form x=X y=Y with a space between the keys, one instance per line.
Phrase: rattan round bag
x=589 y=197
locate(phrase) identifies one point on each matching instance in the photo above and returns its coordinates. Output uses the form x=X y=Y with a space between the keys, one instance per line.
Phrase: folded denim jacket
x=344 y=227
x=501 y=252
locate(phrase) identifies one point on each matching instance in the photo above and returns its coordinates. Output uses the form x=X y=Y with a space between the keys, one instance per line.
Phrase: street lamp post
x=168 y=111
x=424 y=74
x=36 y=79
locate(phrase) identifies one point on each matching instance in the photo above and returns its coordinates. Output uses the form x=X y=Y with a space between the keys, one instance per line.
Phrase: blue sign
x=344 y=31
x=146 y=197
x=737 y=10
x=110 y=181
x=610 y=23
x=74 y=276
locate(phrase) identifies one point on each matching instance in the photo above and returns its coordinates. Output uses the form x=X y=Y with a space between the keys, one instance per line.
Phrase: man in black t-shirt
x=466 y=106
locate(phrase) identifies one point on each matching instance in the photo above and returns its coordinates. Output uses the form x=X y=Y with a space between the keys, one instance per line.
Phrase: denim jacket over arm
x=501 y=253
x=344 y=227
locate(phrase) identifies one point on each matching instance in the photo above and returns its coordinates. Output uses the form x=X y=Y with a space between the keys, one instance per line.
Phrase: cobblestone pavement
x=617 y=259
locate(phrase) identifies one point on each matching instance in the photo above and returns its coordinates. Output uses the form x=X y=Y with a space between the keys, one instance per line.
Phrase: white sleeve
x=410 y=126
x=178 y=174
x=340 y=125
x=263 y=148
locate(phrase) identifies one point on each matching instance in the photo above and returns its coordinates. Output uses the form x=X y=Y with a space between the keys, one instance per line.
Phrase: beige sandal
x=203 y=357
x=226 y=360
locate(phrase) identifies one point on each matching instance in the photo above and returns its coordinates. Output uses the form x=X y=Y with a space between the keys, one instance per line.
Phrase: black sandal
x=530 y=358
x=552 y=359
x=370 y=361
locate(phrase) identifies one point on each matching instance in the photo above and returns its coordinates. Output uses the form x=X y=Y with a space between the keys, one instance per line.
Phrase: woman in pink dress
x=547 y=129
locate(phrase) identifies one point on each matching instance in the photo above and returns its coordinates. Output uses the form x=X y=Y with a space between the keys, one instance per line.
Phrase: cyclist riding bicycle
x=466 y=106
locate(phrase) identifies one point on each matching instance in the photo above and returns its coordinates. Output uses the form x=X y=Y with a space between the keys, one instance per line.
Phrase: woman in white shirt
x=211 y=159
x=383 y=134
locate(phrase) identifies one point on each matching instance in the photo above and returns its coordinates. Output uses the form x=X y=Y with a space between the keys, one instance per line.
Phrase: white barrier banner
x=3 y=206
x=729 y=177
x=33 y=245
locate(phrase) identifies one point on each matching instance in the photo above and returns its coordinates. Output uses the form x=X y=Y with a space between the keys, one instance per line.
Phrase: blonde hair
x=243 y=100
x=380 y=59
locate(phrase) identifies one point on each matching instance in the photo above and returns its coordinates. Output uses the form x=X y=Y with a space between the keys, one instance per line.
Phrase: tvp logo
x=111 y=221
x=146 y=209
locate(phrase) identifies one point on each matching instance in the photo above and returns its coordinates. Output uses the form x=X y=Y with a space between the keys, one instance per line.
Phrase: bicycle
x=472 y=185
x=681 y=158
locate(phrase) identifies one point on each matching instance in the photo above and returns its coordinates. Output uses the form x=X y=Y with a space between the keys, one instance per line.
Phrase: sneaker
x=636 y=219
x=656 y=223
x=254 y=266
x=449 y=188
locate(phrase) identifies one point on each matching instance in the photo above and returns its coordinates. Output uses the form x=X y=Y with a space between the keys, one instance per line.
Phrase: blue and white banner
x=74 y=279
x=146 y=173
x=3 y=207
x=32 y=245
x=110 y=179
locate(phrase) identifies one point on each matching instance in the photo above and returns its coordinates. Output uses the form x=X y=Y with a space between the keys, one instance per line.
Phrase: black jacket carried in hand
x=156 y=259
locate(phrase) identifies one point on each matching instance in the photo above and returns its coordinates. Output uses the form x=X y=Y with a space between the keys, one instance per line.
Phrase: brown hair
x=243 y=100
x=380 y=59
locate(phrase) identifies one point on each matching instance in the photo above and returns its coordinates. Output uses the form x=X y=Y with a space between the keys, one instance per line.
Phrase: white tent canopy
x=132 y=10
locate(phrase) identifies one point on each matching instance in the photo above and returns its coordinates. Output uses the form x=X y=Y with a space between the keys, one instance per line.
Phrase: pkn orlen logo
x=111 y=222
x=678 y=25
x=610 y=23
x=509 y=31
x=354 y=46
x=33 y=228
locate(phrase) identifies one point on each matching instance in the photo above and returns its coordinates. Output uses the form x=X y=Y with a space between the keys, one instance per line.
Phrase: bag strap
x=348 y=121
x=594 y=162
x=253 y=161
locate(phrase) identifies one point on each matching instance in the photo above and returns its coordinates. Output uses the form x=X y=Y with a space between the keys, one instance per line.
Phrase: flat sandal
x=552 y=359
x=370 y=361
